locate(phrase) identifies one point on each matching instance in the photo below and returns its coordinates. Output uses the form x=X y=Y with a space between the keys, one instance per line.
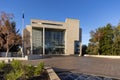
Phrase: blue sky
x=91 y=13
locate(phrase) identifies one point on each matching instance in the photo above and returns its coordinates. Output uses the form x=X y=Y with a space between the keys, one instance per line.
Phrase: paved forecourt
x=88 y=65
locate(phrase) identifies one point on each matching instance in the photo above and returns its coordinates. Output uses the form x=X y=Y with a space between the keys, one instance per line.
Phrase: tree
x=101 y=40
x=95 y=39
x=9 y=36
x=92 y=49
x=116 y=39
x=107 y=40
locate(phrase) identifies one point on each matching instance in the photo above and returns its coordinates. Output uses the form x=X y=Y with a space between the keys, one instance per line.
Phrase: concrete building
x=51 y=37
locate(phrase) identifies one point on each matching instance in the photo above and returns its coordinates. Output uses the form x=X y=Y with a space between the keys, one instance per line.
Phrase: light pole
x=22 y=34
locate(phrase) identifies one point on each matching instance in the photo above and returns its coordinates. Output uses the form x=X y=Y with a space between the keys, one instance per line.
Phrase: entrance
x=54 y=41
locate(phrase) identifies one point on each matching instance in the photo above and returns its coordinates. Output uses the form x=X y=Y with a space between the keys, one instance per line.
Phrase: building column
x=80 y=49
x=31 y=41
x=43 y=41
x=65 y=39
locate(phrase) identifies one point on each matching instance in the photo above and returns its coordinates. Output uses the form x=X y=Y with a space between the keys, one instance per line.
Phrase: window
x=52 y=24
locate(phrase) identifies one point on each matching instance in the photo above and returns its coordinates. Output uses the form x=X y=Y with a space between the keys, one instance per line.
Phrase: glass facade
x=77 y=47
x=37 y=41
x=54 y=41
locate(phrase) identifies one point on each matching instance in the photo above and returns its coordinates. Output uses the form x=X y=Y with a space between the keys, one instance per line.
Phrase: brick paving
x=88 y=65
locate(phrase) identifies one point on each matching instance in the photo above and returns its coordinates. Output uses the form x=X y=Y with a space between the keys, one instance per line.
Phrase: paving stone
x=80 y=78
x=93 y=78
x=89 y=65
x=62 y=75
x=74 y=75
x=68 y=78
x=107 y=79
x=85 y=76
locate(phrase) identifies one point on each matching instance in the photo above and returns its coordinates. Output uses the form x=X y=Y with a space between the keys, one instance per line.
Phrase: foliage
x=17 y=71
x=116 y=45
x=28 y=71
x=39 y=68
x=10 y=39
x=108 y=41
x=14 y=75
x=16 y=65
x=92 y=49
x=7 y=68
x=2 y=65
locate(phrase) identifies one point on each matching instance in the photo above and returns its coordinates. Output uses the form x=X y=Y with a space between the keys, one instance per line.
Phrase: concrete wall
x=33 y=57
x=27 y=57
x=41 y=24
x=72 y=34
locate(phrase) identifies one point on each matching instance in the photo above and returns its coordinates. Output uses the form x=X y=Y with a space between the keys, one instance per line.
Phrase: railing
x=11 y=54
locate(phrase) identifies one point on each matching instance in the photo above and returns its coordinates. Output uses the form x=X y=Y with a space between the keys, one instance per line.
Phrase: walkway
x=88 y=65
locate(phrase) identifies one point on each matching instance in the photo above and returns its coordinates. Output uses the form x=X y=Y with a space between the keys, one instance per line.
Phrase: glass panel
x=37 y=41
x=77 y=47
x=54 y=41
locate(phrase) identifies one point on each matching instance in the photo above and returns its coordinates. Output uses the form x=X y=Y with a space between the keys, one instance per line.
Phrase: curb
x=103 y=56
x=52 y=74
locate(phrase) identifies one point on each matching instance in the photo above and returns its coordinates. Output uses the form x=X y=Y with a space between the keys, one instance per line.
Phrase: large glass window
x=77 y=47
x=37 y=41
x=54 y=41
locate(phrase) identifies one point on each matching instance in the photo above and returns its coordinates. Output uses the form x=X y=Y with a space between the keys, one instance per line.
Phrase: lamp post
x=22 y=35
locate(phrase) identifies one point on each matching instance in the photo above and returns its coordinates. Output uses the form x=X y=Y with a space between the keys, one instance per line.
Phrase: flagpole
x=22 y=34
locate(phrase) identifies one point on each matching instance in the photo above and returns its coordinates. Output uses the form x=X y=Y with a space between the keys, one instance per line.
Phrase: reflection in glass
x=54 y=41
x=37 y=41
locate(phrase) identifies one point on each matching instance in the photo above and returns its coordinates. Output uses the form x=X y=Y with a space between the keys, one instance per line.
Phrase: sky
x=91 y=13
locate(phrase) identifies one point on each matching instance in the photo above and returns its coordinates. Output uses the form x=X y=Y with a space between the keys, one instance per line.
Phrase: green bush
x=17 y=65
x=39 y=68
x=2 y=65
x=17 y=71
x=28 y=71
x=14 y=75
x=7 y=68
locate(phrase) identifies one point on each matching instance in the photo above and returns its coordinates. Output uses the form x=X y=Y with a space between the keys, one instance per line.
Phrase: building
x=51 y=37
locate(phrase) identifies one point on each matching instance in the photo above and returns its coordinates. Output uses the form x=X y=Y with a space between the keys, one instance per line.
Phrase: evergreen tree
x=116 y=45
x=101 y=41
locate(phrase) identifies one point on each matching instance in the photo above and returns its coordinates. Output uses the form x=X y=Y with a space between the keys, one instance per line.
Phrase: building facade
x=52 y=37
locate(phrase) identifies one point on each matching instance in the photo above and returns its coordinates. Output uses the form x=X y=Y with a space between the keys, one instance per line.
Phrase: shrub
x=16 y=70
x=2 y=65
x=39 y=68
x=14 y=75
x=16 y=65
x=28 y=71
x=7 y=68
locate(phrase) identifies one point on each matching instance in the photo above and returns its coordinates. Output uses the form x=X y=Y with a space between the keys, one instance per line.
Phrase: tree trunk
x=7 y=53
x=8 y=50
